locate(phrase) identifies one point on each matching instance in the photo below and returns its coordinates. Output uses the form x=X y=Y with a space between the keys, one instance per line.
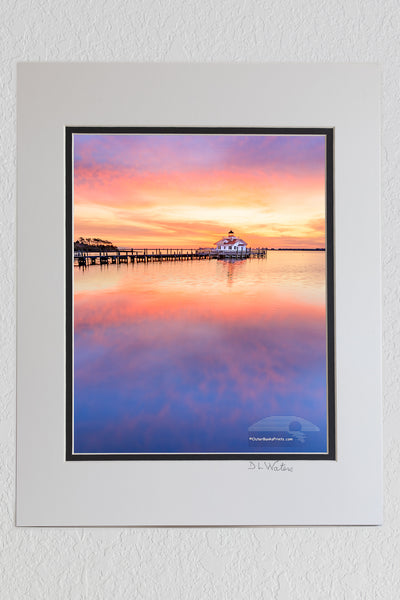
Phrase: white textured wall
x=296 y=563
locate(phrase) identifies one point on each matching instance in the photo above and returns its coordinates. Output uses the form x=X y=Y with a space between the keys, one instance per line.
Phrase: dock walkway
x=125 y=255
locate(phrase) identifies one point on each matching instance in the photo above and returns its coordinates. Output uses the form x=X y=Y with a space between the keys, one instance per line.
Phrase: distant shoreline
x=124 y=248
x=99 y=245
x=296 y=249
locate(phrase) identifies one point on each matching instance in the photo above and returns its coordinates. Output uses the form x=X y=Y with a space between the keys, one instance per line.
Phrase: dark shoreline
x=296 y=249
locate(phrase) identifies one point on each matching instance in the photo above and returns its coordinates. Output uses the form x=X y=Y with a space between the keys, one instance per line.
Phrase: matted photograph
x=200 y=313
x=199 y=322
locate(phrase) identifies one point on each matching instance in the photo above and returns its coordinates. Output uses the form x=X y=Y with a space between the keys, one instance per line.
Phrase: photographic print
x=199 y=294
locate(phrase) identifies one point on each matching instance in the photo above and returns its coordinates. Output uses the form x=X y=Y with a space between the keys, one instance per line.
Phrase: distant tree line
x=93 y=244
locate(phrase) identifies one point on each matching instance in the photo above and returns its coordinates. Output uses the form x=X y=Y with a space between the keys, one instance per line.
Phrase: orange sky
x=187 y=191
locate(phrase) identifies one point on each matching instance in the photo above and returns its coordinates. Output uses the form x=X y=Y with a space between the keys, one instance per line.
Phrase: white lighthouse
x=231 y=244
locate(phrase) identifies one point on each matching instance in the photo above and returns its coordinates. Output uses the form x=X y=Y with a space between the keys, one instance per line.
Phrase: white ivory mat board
x=54 y=492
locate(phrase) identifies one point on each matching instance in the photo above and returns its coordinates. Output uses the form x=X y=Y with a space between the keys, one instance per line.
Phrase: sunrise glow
x=186 y=190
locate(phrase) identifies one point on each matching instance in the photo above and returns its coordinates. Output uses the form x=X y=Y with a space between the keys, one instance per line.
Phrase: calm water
x=186 y=356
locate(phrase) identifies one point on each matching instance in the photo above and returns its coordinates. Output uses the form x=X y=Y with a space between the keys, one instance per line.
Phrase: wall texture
x=268 y=563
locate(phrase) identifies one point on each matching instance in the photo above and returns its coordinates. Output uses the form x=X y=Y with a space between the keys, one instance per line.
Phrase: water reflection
x=232 y=266
x=185 y=356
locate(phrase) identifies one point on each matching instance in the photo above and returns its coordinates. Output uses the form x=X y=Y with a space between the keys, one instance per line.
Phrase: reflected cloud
x=162 y=367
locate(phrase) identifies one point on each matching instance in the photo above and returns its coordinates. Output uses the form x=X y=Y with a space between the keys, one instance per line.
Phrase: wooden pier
x=125 y=255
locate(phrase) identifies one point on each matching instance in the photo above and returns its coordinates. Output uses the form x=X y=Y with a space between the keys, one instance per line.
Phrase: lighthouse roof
x=232 y=239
